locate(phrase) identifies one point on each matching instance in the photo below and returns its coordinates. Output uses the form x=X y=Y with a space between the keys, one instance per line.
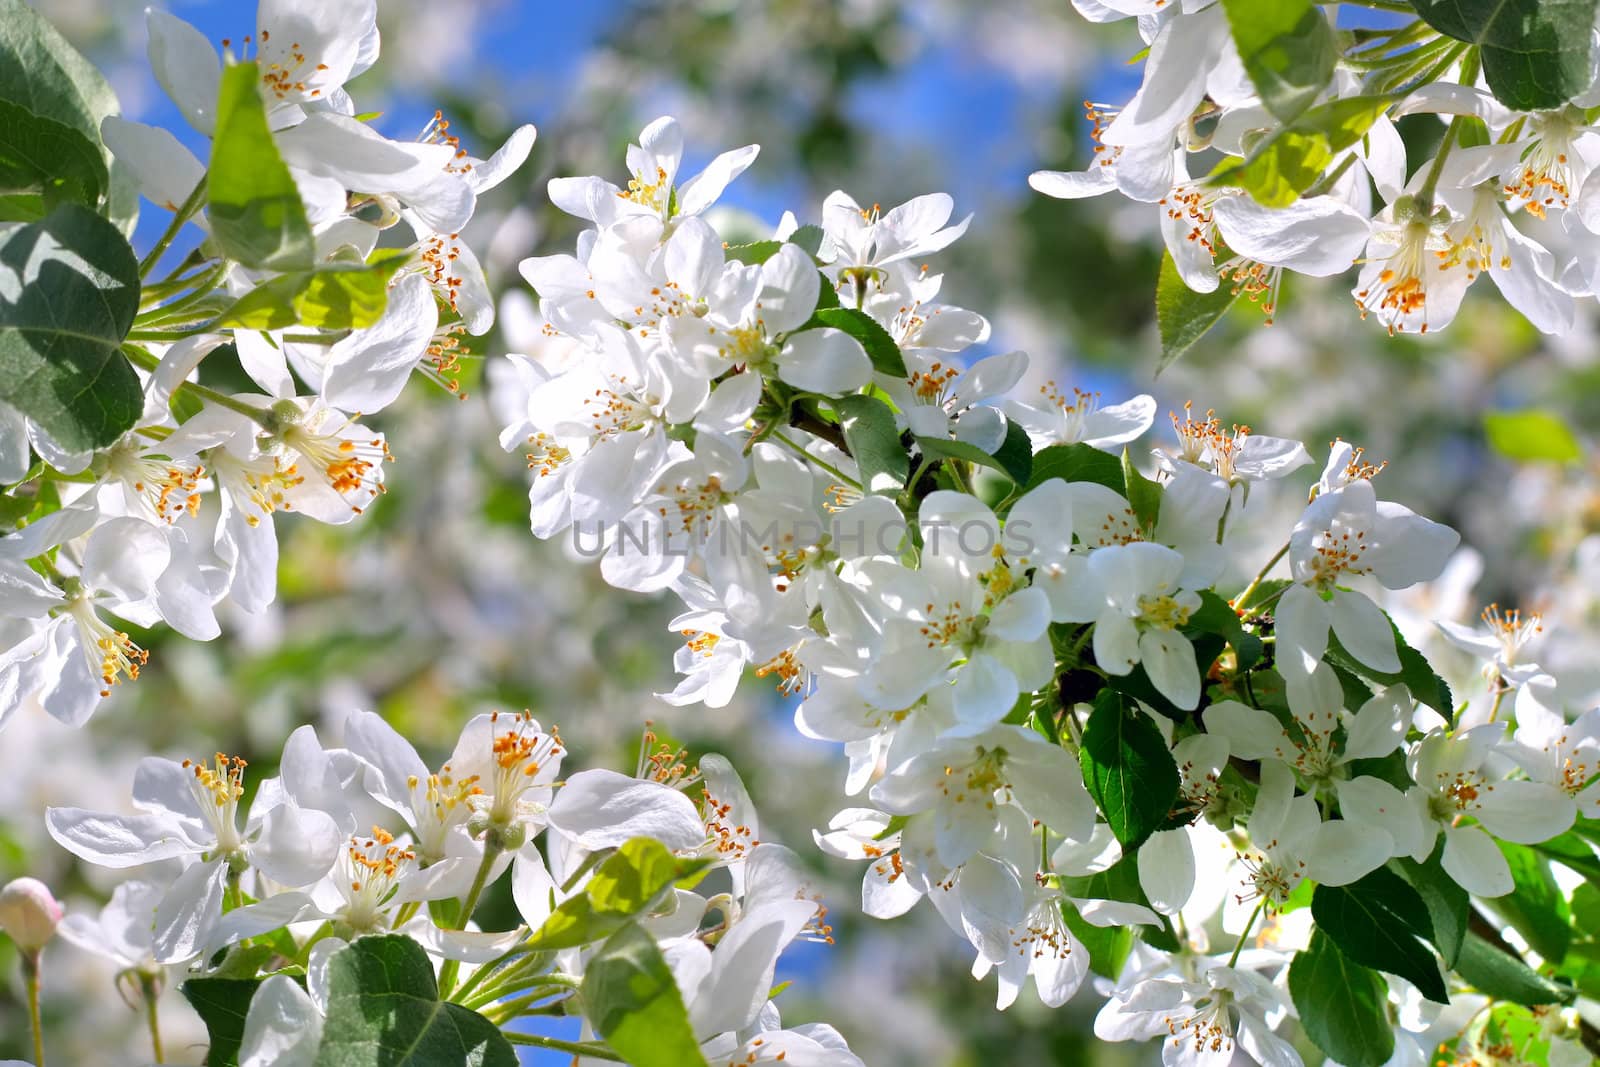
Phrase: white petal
x=1166 y=869
x=1525 y=812
x=1380 y=726
x=702 y=190
x=190 y=909
x=602 y=809
x=1364 y=631
x=187 y=66
x=1471 y=858
x=742 y=967
x=1318 y=236
x=1168 y=659
x=1342 y=851
x=117 y=841
x=296 y=845
x=1074 y=184
x=283 y=1028
x=825 y=360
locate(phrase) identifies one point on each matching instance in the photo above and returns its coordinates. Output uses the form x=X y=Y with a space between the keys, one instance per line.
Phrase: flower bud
x=29 y=913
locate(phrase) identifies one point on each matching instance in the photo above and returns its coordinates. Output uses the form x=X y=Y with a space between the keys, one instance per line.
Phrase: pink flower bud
x=28 y=913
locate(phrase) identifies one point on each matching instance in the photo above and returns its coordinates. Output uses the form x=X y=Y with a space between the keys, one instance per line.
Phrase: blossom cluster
x=366 y=841
x=1059 y=728
x=176 y=514
x=1256 y=170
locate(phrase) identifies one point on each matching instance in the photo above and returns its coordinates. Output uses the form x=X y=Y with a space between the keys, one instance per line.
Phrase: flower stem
x=140 y=358
x=491 y=852
x=1244 y=935
x=30 y=978
x=152 y=1016
x=185 y=211
x=1431 y=182
x=504 y=1011
x=1260 y=576
x=1500 y=691
x=168 y=313
x=577 y=1048
x=829 y=468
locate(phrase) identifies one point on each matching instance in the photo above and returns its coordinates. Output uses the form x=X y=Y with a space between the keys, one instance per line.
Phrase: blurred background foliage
x=439 y=604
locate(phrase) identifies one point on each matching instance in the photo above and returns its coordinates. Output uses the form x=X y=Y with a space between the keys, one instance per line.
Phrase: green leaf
x=1505 y=977
x=1531 y=436
x=1535 y=52
x=1014 y=457
x=1415 y=672
x=808 y=237
x=629 y=881
x=335 y=296
x=1449 y=906
x=755 y=253
x=1536 y=907
x=1015 y=454
x=1343 y=1005
x=1293 y=159
x=60 y=363
x=52 y=100
x=1287 y=48
x=1127 y=769
x=1570 y=850
x=874 y=442
x=1379 y=922
x=633 y=1002
x=627 y=884
x=257 y=217
x=881 y=349
x=1109 y=946
x=43 y=163
x=1076 y=463
x=221 y=1004
x=1216 y=616
x=1268 y=590
x=384 y=1011
x=1144 y=495
x=1182 y=315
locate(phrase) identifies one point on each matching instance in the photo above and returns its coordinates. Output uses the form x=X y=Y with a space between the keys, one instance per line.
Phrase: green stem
x=140 y=358
x=1431 y=182
x=1395 y=6
x=185 y=211
x=577 y=1048
x=491 y=852
x=1499 y=696
x=590 y=862
x=1261 y=575
x=1244 y=934
x=407 y=913
x=513 y=980
x=1451 y=55
x=235 y=893
x=1326 y=183
x=165 y=314
x=30 y=975
x=829 y=468
x=502 y=1012
x=152 y=1016
x=314 y=338
x=172 y=335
